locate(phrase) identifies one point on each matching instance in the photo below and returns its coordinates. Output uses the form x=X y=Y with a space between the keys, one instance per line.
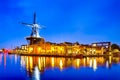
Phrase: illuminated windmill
x=34 y=37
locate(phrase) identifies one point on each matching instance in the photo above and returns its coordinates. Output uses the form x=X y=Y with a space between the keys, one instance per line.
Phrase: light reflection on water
x=35 y=67
x=62 y=63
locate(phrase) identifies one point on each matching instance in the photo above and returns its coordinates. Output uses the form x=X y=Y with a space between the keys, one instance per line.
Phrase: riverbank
x=57 y=55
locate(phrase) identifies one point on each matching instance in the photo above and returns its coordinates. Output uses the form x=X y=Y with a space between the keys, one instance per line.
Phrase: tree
x=115 y=46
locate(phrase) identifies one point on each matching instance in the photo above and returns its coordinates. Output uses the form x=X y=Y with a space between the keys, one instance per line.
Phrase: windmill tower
x=34 y=37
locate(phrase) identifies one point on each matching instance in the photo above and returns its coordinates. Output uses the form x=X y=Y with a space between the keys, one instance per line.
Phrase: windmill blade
x=34 y=19
x=42 y=26
x=25 y=23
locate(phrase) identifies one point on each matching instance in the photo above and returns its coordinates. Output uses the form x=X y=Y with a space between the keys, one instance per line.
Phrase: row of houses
x=65 y=48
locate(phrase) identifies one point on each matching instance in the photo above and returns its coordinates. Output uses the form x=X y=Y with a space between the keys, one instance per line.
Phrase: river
x=15 y=67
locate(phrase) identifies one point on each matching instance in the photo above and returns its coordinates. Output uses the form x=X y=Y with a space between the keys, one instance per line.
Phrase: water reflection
x=0 y=59
x=61 y=64
x=94 y=65
x=4 y=60
x=36 y=68
x=116 y=60
x=51 y=62
x=36 y=74
x=78 y=63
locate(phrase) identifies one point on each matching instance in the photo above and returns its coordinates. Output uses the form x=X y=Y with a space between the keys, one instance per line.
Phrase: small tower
x=34 y=37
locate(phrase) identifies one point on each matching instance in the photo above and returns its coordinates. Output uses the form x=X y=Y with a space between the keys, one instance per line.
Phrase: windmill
x=34 y=37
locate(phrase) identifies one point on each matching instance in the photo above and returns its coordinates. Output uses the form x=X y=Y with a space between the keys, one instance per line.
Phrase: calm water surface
x=13 y=67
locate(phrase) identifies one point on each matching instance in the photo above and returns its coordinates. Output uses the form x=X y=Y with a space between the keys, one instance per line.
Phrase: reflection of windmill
x=34 y=37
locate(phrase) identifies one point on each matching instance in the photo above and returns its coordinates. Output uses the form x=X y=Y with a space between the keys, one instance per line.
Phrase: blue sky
x=85 y=21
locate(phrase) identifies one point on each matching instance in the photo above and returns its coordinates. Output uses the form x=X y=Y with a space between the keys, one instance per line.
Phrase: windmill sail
x=34 y=19
x=35 y=27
